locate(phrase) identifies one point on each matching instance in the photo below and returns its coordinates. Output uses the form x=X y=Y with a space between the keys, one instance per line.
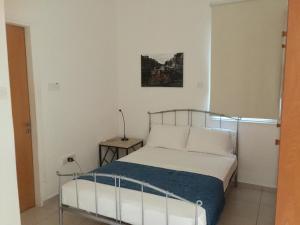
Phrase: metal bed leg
x=198 y=204
x=120 y=202
x=236 y=180
x=61 y=216
x=196 y=214
x=142 y=199
x=77 y=192
x=96 y=194
x=61 y=210
x=237 y=151
x=116 y=198
x=167 y=210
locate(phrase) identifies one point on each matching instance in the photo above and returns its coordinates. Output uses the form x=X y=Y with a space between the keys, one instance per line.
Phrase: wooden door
x=21 y=114
x=288 y=195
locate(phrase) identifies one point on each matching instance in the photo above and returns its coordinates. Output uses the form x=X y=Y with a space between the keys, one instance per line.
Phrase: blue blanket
x=190 y=186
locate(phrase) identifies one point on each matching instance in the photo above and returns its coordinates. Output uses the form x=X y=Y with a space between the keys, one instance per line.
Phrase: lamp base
x=124 y=139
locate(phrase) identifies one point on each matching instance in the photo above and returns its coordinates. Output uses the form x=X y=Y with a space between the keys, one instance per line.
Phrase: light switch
x=54 y=86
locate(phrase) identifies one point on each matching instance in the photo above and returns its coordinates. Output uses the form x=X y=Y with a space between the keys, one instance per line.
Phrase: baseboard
x=54 y=195
x=258 y=187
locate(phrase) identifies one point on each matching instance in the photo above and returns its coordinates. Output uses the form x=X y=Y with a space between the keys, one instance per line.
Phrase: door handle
x=28 y=127
x=28 y=130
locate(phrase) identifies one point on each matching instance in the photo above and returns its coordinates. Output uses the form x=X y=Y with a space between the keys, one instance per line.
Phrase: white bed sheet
x=180 y=213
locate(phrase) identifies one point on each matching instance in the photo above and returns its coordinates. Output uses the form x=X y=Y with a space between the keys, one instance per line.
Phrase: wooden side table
x=114 y=146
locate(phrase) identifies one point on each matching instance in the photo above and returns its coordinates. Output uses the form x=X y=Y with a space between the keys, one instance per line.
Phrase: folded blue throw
x=190 y=186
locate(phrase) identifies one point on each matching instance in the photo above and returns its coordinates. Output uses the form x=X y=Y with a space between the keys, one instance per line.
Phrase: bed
x=156 y=185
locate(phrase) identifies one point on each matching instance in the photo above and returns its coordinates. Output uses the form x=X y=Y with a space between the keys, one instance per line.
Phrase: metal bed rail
x=118 y=198
x=190 y=113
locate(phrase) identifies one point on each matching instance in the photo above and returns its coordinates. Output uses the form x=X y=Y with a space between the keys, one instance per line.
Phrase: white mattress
x=180 y=213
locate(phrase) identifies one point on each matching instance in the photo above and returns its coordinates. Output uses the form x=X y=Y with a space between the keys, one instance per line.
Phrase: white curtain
x=246 y=66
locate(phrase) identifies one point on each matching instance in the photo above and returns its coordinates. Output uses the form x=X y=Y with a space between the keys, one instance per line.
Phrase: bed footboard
x=118 y=199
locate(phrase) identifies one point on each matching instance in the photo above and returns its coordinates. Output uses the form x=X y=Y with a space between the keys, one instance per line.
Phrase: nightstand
x=115 y=145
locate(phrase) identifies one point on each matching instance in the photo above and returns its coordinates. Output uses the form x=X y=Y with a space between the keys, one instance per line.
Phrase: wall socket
x=67 y=157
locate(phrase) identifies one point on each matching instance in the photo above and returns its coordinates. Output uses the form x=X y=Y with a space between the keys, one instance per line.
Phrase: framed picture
x=162 y=70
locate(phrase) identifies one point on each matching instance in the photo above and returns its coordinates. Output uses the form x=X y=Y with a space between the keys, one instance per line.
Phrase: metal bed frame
x=118 y=179
x=220 y=118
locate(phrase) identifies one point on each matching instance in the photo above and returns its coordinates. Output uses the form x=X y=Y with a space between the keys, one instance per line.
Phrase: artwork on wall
x=162 y=70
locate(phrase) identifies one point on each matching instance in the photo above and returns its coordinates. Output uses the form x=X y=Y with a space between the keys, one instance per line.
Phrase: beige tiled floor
x=249 y=206
x=244 y=206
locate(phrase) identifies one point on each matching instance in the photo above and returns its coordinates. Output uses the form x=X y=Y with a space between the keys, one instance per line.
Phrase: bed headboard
x=195 y=117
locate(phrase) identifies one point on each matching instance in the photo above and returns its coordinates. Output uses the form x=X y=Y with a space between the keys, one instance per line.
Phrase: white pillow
x=166 y=136
x=208 y=140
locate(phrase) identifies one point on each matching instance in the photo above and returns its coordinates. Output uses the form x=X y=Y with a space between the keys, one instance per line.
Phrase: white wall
x=9 y=203
x=170 y=26
x=73 y=43
x=161 y=27
x=258 y=159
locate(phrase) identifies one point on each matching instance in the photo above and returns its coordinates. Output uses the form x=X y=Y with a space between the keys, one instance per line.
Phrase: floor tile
x=241 y=209
x=266 y=215
x=268 y=198
x=36 y=215
x=236 y=220
x=244 y=194
x=69 y=219
x=91 y=222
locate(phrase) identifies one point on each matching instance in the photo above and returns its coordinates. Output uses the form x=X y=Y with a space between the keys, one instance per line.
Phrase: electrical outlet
x=66 y=158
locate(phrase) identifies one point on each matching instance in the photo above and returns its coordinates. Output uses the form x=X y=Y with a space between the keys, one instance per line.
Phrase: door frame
x=33 y=97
